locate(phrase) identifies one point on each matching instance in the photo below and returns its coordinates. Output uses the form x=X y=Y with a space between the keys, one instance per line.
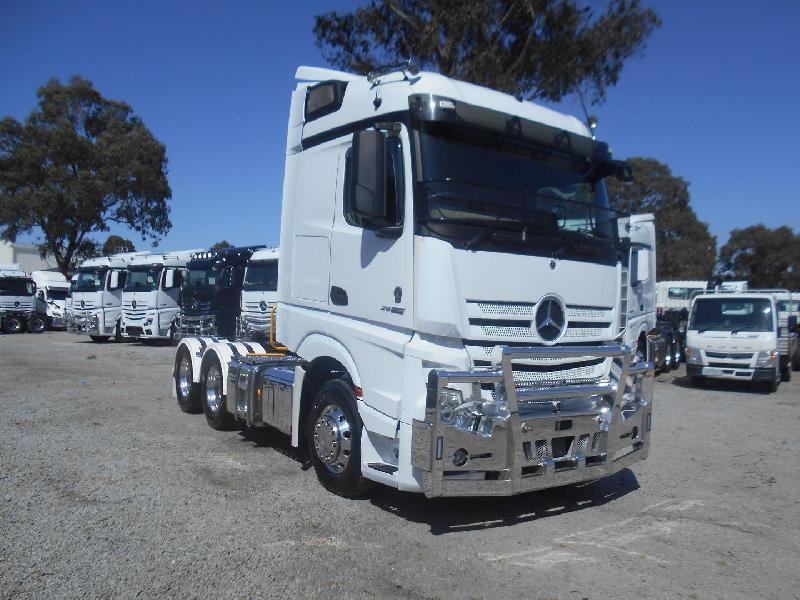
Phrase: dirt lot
x=106 y=489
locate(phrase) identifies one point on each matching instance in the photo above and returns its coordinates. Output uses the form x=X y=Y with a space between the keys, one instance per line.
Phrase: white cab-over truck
x=735 y=336
x=51 y=296
x=449 y=296
x=259 y=295
x=96 y=305
x=150 y=299
x=17 y=301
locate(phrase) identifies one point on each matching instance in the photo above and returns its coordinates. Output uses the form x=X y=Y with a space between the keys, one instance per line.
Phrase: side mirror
x=368 y=183
x=113 y=282
x=40 y=295
x=622 y=171
x=642 y=267
x=169 y=279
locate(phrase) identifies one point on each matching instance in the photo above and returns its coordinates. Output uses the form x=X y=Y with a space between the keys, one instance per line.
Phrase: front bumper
x=201 y=325
x=83 y=322
x=733 y=372
x=253 y=327
x=539 y=444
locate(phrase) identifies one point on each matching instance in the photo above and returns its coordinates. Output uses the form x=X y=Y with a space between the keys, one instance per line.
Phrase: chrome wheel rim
x=15 y=325
x=185 y=377
x=37 y=325
x=333 y=438
x=213 y=389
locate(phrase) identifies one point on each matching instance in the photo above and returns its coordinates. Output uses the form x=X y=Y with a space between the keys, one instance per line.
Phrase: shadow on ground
x=720 y=385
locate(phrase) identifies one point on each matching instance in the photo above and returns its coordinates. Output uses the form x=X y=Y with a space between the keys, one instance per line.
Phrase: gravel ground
x=107 y=489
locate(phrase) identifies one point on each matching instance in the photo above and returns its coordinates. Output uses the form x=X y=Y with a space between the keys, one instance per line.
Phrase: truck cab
x=734 y=336
x=51 y=296
x=787 y=307
x=150 y=298
x=449 y=294
x=96 y=305
x=259 y=295
x=17 y=301
x=211 y=292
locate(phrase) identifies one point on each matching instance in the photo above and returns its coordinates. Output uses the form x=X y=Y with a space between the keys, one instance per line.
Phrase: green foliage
x=685 y=248
x=78 y=163
x=529 y=48
x=221 y=245
x=766 y=258
x=115 y=244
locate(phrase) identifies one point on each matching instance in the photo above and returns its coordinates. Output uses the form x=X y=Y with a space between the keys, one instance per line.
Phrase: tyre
x=676 y=354
x=173 y=338
x=211 y=396
x=333 y=434
x=187 y=391
x=37 y=324
x=118 y=333
x=13 y=324
x=770 y=387
x=796 y=360
x=99 y=339
x=786 y=372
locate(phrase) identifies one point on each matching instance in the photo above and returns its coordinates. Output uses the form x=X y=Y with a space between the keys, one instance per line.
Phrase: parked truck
x=449 y=295
x=736 y=336
x=51 y=295
x=17 y=301
x=259 y=295
x=150 y=299
x=96 y=305
x=210 y=298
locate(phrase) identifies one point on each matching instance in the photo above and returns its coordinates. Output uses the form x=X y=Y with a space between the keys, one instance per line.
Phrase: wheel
x=698 y=381
x=37 y=324
x=641 y=350
x=187 y=391
x=786 y=372
x=173 y=339
x=13 y=324
x=212 y=398
x=100 y=339
x=796 y=360
x=333 y=434
x=118 y=333
x=770 y=387
x=668 y=356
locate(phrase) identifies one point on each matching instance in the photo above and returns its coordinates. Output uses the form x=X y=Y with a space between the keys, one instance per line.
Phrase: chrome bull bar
x=535 y=437
x=82 y=322
x=200 y=325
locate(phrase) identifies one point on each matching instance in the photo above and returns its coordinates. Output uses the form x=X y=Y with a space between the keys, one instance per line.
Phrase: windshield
x=732 y=314
x=197 y=276
x=16 y=287
x=261 y=276
x=143 y=280
x=57 y=294
x=90 y=280
x=480 y=189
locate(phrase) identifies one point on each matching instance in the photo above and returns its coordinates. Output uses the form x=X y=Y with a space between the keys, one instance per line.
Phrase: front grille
x=730 y=355
x=515 y=321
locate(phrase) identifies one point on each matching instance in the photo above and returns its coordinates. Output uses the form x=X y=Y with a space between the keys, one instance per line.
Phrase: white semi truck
x=259 y=295
x=51 y=296
x=96 y=305
x=736 y=336
x=449 y=296
x=17 y=301
x=150 y=299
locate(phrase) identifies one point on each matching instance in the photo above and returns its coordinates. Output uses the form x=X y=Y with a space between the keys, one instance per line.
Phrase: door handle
x=338 y=296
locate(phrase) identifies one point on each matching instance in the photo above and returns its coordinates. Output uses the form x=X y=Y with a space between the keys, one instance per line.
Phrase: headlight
x=693 y=356
x=766 y=359
x=476 y=415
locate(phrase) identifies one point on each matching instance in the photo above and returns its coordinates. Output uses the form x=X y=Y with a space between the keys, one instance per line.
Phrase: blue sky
x=715 y=96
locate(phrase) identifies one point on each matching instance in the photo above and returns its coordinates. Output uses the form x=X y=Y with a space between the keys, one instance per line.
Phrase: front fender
x=317 y=345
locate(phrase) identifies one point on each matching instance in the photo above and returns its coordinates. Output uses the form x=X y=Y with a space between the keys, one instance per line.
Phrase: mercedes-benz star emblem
x=550 y=319
x=16 y=302
x=133 y=304
x=263 y=306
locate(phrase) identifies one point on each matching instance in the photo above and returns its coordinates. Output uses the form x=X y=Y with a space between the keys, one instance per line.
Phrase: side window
x=395 y=191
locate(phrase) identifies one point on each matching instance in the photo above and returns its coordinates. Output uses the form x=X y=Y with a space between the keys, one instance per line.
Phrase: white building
x=26 y=255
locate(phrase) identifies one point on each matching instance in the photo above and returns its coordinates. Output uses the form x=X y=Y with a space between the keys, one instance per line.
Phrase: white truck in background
x=17 y=301
x=649 y=337
x=150 y=299
x=449 y=296
x=736 y=336
x=96 y=306
x=259 y=295
x=51 y=295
